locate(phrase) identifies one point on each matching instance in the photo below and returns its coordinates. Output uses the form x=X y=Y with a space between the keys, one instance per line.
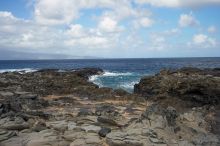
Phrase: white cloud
x=88 y=42
x=55 y=28
x=76 y=30
x=203 y=41
x=6 y=15
x=56 y=12
x=171 y=32
x=199 y=39
x=187 y=20
x=146 y=22
x=50 y=12
x=158 y=42
x=143 y=22
x=179 y=3
x=160 y=3
x=212 y=29
x=108 y=24
x=26 y=36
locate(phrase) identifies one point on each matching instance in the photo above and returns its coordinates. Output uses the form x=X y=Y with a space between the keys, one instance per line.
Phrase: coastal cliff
x=62 y=108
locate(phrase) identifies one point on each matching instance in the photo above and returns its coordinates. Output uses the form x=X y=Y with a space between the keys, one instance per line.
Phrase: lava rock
x=200 y=87
x=104 y=131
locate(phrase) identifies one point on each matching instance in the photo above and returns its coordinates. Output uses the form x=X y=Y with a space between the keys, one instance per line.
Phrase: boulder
x=104 y=131
x=171 y=115
x=160 y=117
x=86 y=72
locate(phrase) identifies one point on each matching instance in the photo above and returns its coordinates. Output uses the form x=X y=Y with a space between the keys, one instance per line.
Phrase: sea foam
x=23 y=70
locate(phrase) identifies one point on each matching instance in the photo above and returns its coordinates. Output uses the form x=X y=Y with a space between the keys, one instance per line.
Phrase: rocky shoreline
x=62 y=108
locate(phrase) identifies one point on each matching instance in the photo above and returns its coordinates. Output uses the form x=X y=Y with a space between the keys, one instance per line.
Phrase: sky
x=51 y=29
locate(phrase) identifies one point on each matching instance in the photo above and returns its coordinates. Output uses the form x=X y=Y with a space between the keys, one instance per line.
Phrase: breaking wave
x=113 y=74
x=24 y=70
x=116 y=80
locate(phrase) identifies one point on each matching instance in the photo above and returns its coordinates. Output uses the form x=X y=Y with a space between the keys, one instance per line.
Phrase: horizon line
x=99 y=58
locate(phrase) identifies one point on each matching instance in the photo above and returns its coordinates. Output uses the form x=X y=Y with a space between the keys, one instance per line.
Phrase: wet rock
x=104 y=131
x=86 y=72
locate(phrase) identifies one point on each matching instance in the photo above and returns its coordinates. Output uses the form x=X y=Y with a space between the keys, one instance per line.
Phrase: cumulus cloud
x=76 y=31
x=108 y=24
x=143 y=22
x=52 y=12
x=187 y=20
x=56 y=12
x=88 y=42
x=171 y=32
x=212 y=29
x=157 y=42
x=203 y=41
x=56 y=26
x=26 y=36
x=179 y=3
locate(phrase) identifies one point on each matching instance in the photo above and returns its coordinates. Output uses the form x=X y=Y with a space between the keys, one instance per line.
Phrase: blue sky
x=109 y=28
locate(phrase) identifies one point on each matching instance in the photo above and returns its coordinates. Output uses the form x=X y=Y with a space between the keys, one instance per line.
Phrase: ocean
x=119 y=73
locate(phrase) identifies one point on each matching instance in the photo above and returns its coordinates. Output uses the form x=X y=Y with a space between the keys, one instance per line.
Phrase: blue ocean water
x=119 y=73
